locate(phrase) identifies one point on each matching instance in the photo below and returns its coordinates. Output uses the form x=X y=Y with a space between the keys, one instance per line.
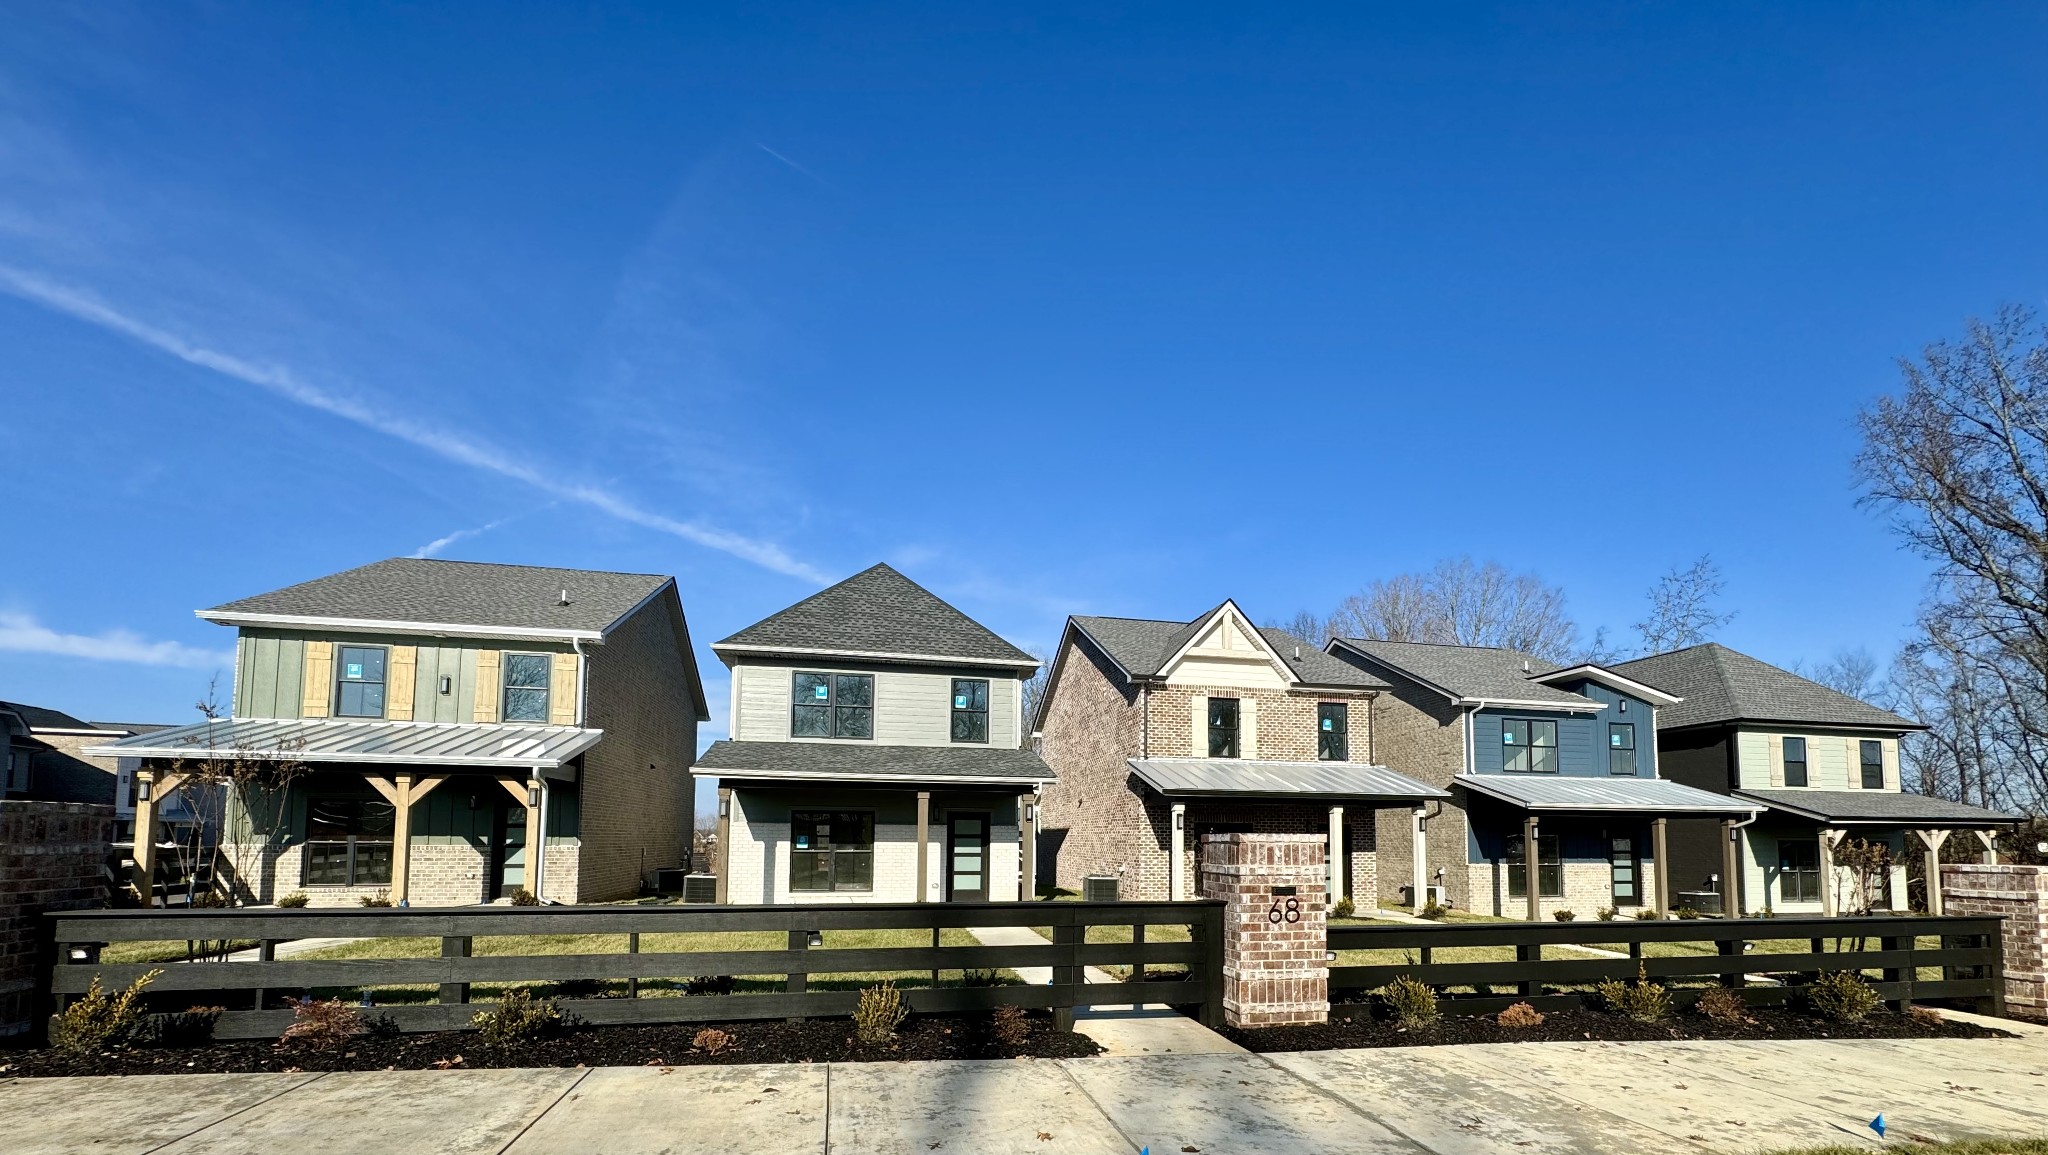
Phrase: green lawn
x=166 y=950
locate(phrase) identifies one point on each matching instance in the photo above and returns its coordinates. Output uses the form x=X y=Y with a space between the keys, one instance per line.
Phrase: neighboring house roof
x=1876 y=807
x=1253 y=778
x=474 y=597
x=1723 y=685
x=132 y=727
x=1556 y=793
x=866 y=762
x=482 y=745
x=876 y=613
x=1470 y=674
x=1141 y=646
x=45 y=720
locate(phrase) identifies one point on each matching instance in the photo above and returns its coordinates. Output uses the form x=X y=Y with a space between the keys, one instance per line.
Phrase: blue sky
x=1103 y=310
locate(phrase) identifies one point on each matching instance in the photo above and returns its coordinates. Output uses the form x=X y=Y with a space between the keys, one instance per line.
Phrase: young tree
x=1461 y=602
x=1682 y=610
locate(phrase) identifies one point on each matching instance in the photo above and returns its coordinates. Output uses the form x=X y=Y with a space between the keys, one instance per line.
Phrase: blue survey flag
x=1877 y=1125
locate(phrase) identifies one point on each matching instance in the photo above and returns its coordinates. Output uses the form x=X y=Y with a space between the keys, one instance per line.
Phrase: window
x=348 y=842
x=1873 y=764
x=526 y=687
x=1333 y=732
x=970 y=710
x=1549 y=868
x=831 y=850
x=1223 y=727
x=17 y=769
x=361 y=675
x=1798 y=870
x=1624 y=871
x=1621 y=748
x=833 y=706
x=1795 y=761
x=1528 y=746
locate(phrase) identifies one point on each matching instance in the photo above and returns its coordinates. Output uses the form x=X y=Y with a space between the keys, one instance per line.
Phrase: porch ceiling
x=1634 y=795
x=1253 y=778
x=1877 y=808
x=367 y=742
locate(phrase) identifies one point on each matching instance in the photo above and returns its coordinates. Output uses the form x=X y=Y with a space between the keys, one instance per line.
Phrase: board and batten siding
x=280 y=675
x=913 y=707
x=1833 y=761
x=269 y=672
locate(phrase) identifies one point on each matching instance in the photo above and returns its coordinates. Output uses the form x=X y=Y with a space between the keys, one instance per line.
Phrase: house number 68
x=1289 y=911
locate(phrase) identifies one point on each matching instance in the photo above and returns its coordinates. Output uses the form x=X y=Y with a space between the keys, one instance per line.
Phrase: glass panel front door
x=508 y=849
x=967 y=858
x=1625 y=869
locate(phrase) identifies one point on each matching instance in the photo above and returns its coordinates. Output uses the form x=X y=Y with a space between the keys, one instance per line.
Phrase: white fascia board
x=1612 y=680
x=1512 y=704
x=187 y=755
x=377 y=626
x=838 y=776
x=878 y=656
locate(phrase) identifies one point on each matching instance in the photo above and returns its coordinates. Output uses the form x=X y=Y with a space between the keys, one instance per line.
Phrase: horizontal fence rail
x=1546 y=973
x=256 y=990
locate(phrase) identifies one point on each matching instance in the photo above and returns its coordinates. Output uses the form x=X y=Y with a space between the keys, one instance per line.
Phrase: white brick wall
x=759 y=861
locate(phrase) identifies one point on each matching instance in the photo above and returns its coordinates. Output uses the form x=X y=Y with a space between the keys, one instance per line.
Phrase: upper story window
x=970 y=710
x=832 y=706
x=1621 y=748
x=526 y=687
x=1223 y=728
x=17 y=769
x=1333 y=731
x=1795 y=761
x=1528 y=746
x=360 y=672
x=1873 y=763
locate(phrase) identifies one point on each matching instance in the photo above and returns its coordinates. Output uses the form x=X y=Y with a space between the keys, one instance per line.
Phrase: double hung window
x=970 y=710
x=1798 y=870
x=1333 y=732
x=831 y=850
x=359 y=674
x=1871 y=753
x=1223 y=728
x=1528 y=746
x=526 y=687
x=1621 y=748
x=1549 y=867
x=1795 y=761
x=832 y=706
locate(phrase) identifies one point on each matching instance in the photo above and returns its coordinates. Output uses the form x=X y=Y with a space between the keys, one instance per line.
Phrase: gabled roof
x=405 y=593
x=1469 y=674
x=878 y=614
x=45 y=720
x=1141 y=647
x=1723 y=685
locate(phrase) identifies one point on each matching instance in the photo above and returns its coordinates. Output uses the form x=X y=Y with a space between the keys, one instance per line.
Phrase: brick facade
x=638 y=800
x=2020 y=893
x=53 y=856
x=1275 y=971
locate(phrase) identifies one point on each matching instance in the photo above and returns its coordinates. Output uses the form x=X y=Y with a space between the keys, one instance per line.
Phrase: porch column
x=1660 y=897
x=401 y=839
x=1829 y=839
x=1731 y=901
x=1532 y=887
x=152 y=787
x=1932 y=840
x=724 y=847
x=1027 y=848
x=1990 y=840
x=924 y=839
x=1176 y=868
x=536 y=836
x=1418 y=852
x=1338 y=858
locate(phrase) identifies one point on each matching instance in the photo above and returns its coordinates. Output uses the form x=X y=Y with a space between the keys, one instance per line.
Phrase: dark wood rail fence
x=1970 y=959
x=254 y=989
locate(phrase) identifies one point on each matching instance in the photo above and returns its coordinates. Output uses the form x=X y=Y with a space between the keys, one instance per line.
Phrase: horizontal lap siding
x=913 y=707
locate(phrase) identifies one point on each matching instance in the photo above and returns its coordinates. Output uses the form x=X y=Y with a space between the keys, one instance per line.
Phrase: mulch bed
x=1581 y=1025
x=817 y=1041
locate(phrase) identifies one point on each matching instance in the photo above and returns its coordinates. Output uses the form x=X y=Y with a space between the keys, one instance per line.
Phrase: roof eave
x=1025 y=663
x=1516 y=704
x=393 y=626
x=701 y=771
x=1600 y=673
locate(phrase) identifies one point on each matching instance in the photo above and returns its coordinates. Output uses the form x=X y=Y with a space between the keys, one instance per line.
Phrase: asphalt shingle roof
x=1142 y=645
x=44 y=718
x=428 y=590
x=1723 y=685
x=1877 y=806
x=878 y=611
x=828 y=760
x=1470 y=671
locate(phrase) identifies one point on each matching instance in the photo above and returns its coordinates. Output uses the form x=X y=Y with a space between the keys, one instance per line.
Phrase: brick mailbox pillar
x=2020 y=893
x=1273 y=892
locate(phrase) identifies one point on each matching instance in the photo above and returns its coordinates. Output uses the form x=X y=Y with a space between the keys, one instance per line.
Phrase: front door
x=1625 y=869
x=508 y=849
x=967 y=858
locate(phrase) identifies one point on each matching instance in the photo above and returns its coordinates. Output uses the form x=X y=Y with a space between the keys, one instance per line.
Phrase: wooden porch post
x=1661 y=865
x=924 y=839
x=1932 y=840
x=154 y=787
x=1829 y=839
x=1027 y=847
x=1990 y=840
x=1338 y=858
x=724 y=844
x=1418 y=853
x=1177 y=867
x=1731 y=901
x=536 y=835
x=402 y=792
x=1533 y=888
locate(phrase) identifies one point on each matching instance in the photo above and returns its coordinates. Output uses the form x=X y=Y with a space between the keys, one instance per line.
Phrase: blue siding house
x=1553 y=774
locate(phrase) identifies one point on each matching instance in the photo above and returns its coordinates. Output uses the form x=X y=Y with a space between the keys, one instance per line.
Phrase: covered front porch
x=1845 y=851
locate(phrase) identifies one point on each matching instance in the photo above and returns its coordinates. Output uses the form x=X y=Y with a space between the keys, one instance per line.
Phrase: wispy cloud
x=453 y=445
x=23 y=634
x=440 y=543
x=789 y=162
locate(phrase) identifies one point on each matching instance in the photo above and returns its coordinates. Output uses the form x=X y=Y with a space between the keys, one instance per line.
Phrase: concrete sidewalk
x=1496 y=1099
x=1120 y=1029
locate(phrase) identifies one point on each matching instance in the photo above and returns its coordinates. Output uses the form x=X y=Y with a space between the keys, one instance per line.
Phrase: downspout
x=1372 y=757
x=1739 y=882
x=582 y=676
x=1144 y=719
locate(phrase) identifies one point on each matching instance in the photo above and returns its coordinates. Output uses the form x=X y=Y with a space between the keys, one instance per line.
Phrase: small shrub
x=192 y=1027
x=294 y=900
x=878 y=1014
x=1564 y=915
x=518 y=1018
x=102 y=1020
x=1647 y=914
x=1345 y=908
x=1924 y=1016
x=381 y=898
x=1607 y=913
x=712 y=1041
x=1413 y=1003
x=1010 y=1026
x=1722 y=1005
x=1520 y=1016
x=1766 y=912
x=209 y=900
x=1841 y=996
x=521 y=896
x=1434 y=910
x=323 y=1025
x=1642 y=1000
x=1687 y=912
x=709 y=985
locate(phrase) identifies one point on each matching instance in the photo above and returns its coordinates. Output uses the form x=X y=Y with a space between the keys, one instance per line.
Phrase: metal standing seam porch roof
x=1641 y=795
x=1254 y=778
x=1877 y=808
x=495 y=745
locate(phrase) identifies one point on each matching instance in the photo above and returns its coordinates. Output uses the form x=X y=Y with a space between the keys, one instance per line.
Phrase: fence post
x=1996 y=941
x=454 y=946
x=266 y=951
x=1899 y=975
x=1529 y=952
x=797 y=981
x=1067 y=973
x=633 y=981
x=1212 y=966
x=1726 y=947
x=1138 y=965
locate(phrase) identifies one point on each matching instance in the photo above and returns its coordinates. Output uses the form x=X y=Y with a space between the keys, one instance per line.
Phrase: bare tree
x=1851 y=672
x=1682 y=610
x=1034 y=693
x=1306 y=626
x=1461 y=602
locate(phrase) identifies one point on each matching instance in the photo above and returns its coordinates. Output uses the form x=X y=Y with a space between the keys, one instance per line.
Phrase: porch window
x=1528 y=746
x=1621 y=748
x=526 y=687
x=1333 y=732
x=360 y=673
x=970 y=710
x=1798 y=870
x=348 y=842
x=831 y=850
x=1223 y=727
x=1795 y=761
x=1549 y=867
x=833 y=706
x=1873 y=764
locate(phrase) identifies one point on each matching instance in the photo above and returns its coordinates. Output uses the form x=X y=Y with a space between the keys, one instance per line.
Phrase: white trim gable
x=1226 y=650
x=1613 y=681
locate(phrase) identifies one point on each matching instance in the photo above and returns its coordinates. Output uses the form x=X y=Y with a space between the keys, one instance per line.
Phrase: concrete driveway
x=1497 y=1099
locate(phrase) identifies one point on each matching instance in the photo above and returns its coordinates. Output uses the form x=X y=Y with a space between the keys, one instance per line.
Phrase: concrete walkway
x=1497 y=1099
x=1120 y=1029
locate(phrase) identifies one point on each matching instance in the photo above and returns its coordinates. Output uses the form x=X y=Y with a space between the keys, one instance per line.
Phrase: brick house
x=1163 y=732
x=861 y=717
x=43 y=759
x=430 y=716
x=1552 y=773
